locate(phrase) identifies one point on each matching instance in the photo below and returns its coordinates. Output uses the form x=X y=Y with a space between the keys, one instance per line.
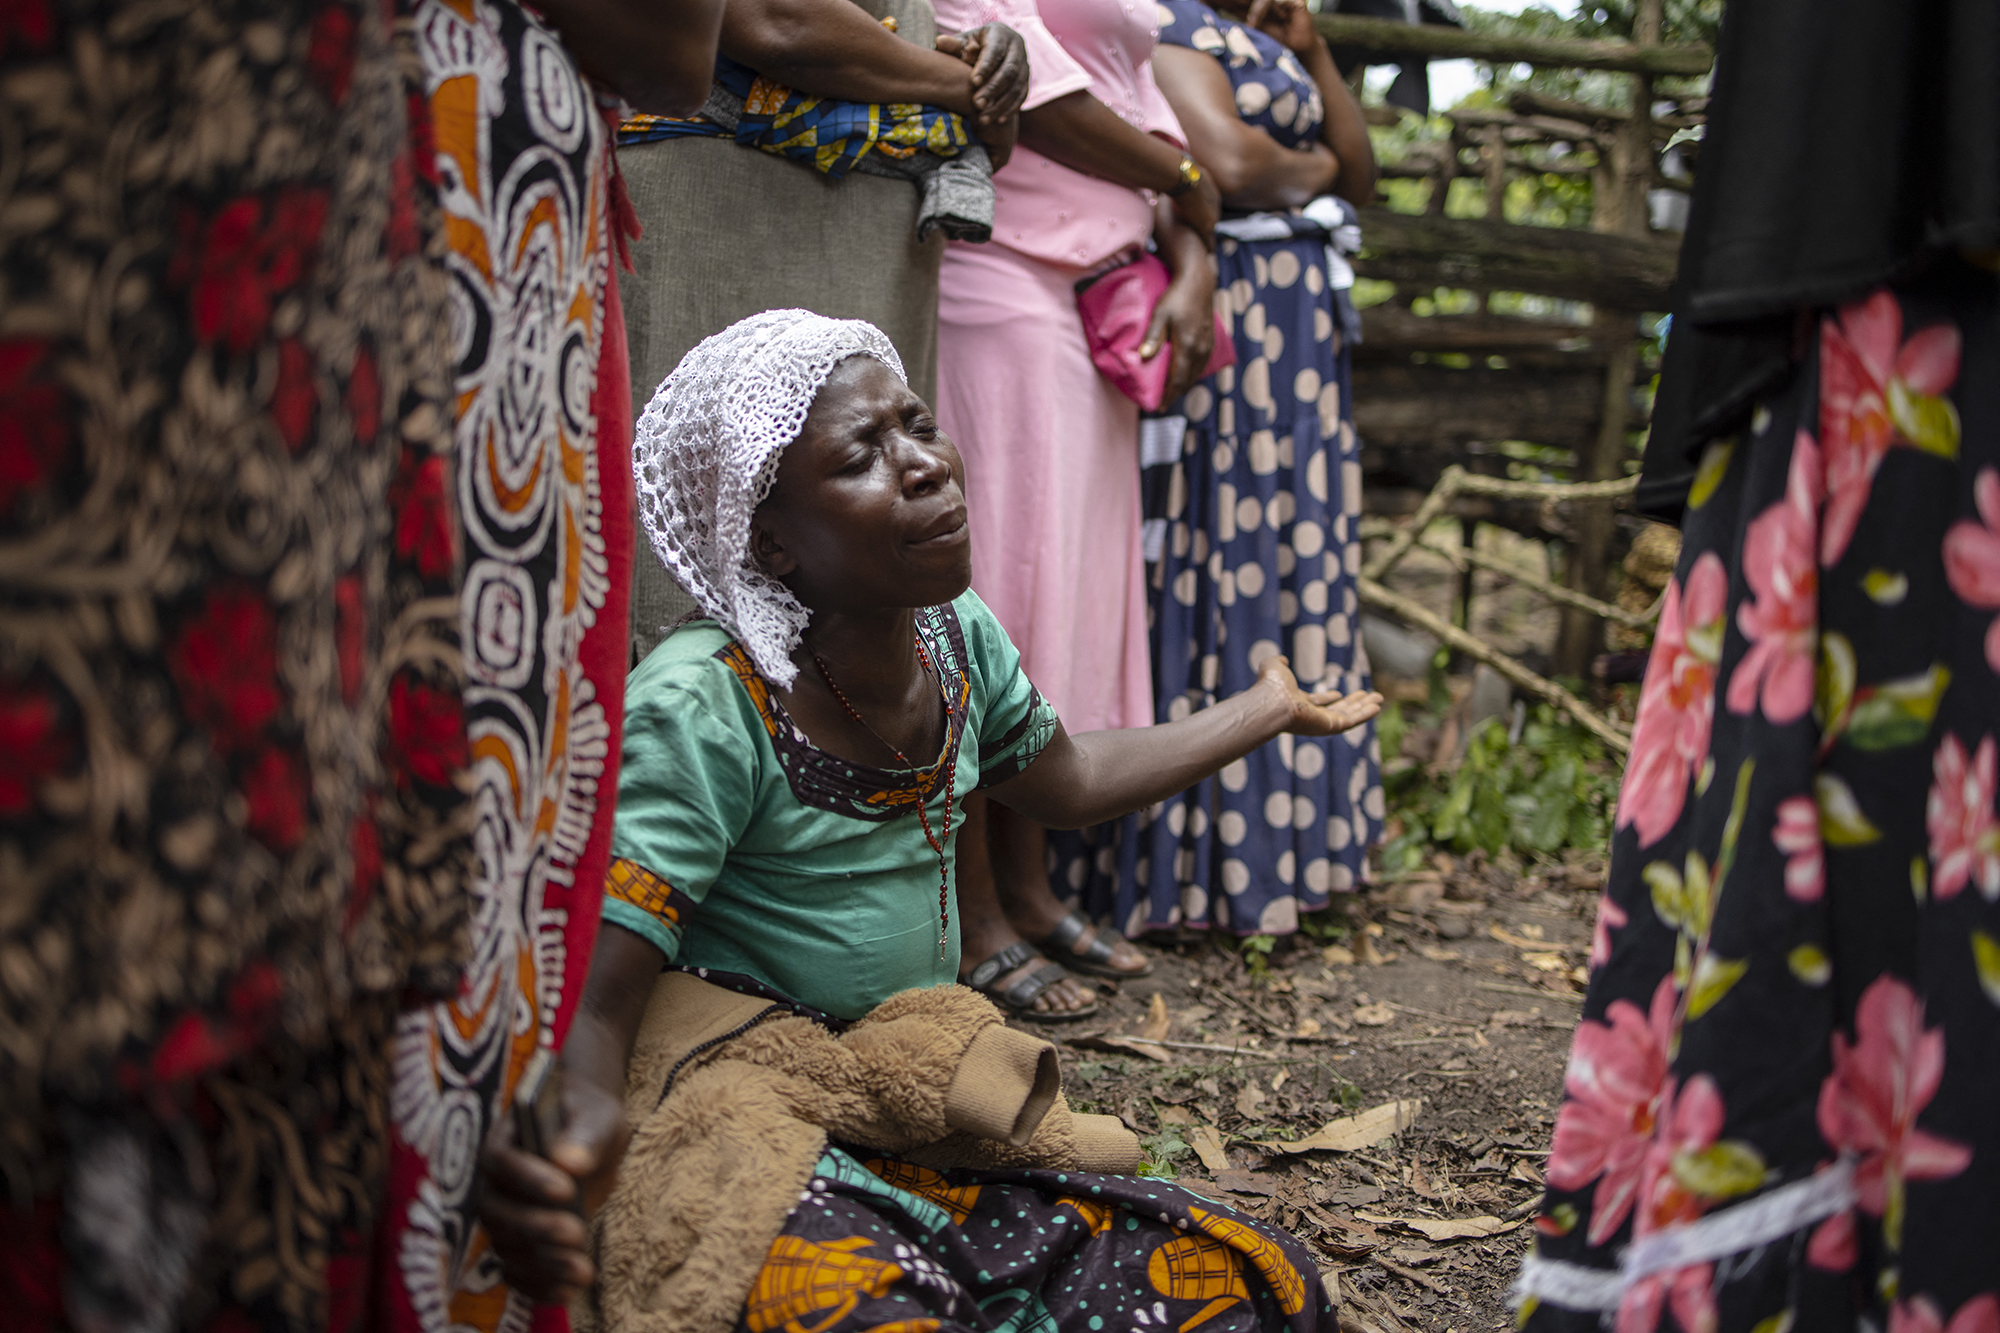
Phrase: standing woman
x=230 y=835
x=1051 y=447
x=1794 y=970
x=1261 y=546
x=542 y=479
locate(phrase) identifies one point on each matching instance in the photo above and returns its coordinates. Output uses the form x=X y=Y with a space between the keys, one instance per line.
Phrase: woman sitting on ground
x=776 y=836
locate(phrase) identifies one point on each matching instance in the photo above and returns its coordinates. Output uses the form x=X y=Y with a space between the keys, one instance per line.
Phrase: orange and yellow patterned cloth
x=889 y=1245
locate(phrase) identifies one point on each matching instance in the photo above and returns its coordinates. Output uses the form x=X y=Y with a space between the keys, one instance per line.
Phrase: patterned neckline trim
x=843 y=786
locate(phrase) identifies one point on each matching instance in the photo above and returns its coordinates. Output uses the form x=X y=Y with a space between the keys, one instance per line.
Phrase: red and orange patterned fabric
x=543 y=481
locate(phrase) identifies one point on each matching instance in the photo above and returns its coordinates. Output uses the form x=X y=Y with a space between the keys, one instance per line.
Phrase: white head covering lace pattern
x=706 y=454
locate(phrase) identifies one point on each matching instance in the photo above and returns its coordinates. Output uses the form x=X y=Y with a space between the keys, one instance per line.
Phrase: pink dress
x=1051 y=449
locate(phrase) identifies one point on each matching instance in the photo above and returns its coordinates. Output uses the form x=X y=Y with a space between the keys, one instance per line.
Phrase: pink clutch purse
x=1117 y=307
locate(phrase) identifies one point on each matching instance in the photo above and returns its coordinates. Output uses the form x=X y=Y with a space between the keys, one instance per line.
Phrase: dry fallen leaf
x=1529 y=938
x=1248 y=1100
x=1207 y=1145
x=1308 y=1027
x=1111 y=1041
x=1158 y=1021
x=1374 y=1015
x=1338 y=954
x=1526 y=1173
x=1278 y=1079
x=1246 y=1182
x=1176 y=1115
x=1367 y=954
x=1439 y=1228
x=1437 y=955
x=1355 y=1132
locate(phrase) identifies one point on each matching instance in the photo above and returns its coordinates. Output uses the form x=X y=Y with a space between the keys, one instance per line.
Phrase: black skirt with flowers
x=1780 y=1106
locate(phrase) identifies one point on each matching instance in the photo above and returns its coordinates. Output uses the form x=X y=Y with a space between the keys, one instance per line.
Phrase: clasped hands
x=999 y=61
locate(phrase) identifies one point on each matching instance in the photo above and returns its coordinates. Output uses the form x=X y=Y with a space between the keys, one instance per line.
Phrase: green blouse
x=742 y=847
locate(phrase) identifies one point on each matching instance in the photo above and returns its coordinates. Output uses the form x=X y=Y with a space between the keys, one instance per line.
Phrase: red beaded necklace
x=936 y=841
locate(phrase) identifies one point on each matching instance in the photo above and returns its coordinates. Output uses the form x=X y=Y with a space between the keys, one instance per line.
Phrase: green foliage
x=1684 y=22
x=1555 y=787
x=1327 y=927
x=1548 y=199
x=1161 y=1150
x=1256 y=951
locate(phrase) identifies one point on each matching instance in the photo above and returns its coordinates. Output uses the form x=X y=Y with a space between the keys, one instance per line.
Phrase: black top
x=1849 y=141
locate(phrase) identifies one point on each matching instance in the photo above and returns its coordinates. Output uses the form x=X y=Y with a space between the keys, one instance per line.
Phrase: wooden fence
x=1436 y=392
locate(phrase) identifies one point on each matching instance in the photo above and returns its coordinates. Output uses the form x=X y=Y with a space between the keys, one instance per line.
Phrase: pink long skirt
x=1052 y=461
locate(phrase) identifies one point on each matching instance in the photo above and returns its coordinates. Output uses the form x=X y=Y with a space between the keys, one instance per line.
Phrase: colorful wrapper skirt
x=890 y=1247
x=1779 y=1106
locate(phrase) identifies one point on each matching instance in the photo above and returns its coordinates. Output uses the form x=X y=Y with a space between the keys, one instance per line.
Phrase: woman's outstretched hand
x=534 y=1208
x=1323 y=713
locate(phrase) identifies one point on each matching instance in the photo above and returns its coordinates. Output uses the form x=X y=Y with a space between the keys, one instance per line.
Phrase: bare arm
x=659 y=57
x=1343 y=130
x=623 y=969
x=1085 y=135
x=1184 y=317
x=1102 y=775
x=832 y=48
x=1252 y=170
x=527 y=1202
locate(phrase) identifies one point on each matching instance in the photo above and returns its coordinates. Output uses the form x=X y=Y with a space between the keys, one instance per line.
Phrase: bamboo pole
x=1456 y=481
x=1415 y=613
x=1444 y=43
x=1555 y=592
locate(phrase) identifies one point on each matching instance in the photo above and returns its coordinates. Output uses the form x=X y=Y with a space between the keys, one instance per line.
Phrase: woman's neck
x=862 y=689
x=872 y=656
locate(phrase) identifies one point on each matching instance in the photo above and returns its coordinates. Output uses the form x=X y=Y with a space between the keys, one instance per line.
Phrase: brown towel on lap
x=716 y=1167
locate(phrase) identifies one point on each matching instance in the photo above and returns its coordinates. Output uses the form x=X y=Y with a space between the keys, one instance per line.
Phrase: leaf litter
x=1365 y=1088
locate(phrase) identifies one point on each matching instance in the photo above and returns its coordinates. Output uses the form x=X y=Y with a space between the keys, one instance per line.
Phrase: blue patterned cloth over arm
x=828 y=134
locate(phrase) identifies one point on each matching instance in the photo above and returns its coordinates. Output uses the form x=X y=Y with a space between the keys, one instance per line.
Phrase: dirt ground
x=1461 y=999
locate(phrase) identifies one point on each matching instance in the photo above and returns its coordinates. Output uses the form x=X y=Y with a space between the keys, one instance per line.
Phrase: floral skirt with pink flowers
x=1783 y=1102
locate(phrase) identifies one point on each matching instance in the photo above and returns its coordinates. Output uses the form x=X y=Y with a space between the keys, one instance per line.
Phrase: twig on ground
x=1528 y=990
x=1432 y=1013
x=1181 y=1045
x=1421 y=617
x=1410 y=1275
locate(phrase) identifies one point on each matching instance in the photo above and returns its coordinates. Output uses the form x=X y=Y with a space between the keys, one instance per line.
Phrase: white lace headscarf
x=706 y=454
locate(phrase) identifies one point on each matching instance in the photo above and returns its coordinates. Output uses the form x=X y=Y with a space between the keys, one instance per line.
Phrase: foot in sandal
x=1083 y=947
x=1025 y=983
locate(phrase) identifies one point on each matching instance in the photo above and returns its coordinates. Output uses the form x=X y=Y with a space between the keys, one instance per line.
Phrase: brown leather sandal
x=1093 y=958
x=1020 y=997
